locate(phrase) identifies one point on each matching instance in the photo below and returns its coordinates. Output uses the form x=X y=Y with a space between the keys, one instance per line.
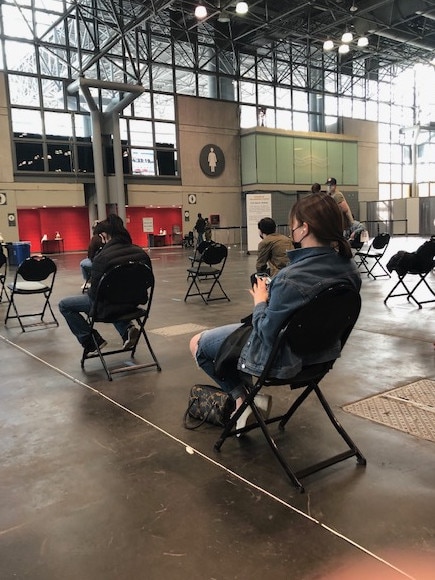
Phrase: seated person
x=272 y=250
x=117 y=249
x=353 y=234
x=93 y=248
x=324 y=258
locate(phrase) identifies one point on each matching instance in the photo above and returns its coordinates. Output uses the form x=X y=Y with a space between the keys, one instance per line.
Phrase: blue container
x=18 y=252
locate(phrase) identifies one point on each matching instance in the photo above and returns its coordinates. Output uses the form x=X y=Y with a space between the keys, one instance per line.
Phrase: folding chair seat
x=126 y=290
x=420 y=264
x=369 y=261
x=35 y=275
x=325 y=321
x=3 y=275
x=209 y=269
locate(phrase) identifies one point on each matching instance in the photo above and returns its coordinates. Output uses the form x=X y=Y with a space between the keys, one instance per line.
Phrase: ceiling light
x=363 y=41
x=242 y=7
x=347 y=37
x=343 y=48
x=200 y=12
x=353 y=8
x=328 y=45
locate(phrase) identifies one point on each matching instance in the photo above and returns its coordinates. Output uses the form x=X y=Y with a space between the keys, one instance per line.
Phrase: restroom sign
x=3 y=199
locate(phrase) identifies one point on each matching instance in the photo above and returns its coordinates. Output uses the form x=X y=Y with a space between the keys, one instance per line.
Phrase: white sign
x=258 y=206
x=148 y=225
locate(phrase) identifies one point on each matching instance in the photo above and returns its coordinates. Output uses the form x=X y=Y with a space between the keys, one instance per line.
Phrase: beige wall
x=367 y=134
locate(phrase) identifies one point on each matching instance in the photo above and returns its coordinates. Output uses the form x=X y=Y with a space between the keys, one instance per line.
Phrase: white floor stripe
x=191 y=450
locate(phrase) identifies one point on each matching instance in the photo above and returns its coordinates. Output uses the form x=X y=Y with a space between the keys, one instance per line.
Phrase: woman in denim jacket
x=324 y=258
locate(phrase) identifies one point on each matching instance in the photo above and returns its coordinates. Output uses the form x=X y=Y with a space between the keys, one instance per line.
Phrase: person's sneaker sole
x=133 y=334
x=95 y=351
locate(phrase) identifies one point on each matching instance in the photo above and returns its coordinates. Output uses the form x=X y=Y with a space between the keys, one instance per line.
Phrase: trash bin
x=17 y=252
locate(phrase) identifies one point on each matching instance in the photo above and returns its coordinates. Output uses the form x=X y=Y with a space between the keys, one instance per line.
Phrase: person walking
x=200 y=228
x=339 y=198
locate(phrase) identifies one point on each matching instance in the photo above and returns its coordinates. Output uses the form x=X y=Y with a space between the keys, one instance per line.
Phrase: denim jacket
x=310 y=271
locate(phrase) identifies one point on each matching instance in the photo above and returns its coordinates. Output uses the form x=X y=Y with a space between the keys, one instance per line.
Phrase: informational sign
x=258 y=206
x=212 y=160
x=148 y=225
x=12 y=220
x=3 y=199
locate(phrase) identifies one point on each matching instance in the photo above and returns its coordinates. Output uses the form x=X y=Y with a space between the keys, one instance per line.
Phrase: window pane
x=141 y=133
x=25 y=122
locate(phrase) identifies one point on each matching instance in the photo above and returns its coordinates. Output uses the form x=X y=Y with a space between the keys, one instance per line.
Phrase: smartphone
x=262 y=275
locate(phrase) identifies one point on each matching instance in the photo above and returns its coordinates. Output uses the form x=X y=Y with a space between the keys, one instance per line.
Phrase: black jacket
x=115 y=252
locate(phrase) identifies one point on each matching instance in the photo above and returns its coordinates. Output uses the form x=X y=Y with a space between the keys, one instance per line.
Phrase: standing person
x=86 y=264
x=117 y=249
x=273 y=248
x=207 y=230
x=348 y=218
x=324 y=258
x=200 y=227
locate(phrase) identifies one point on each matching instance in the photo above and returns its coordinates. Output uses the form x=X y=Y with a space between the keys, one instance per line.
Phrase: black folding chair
x=35 y=275
x=420 y=264
x=3 y=275
x=370 y=260
x=325 y=321
x=208 y=270
x=126 y=290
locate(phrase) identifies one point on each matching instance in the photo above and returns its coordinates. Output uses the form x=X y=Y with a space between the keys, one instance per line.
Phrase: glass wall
x=47 y=44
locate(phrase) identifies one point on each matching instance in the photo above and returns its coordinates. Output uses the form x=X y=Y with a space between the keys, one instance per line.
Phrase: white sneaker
x=264 y=403
x=131 y=337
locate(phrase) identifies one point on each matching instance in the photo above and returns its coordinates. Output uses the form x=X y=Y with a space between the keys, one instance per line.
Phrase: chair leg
x=229 y=431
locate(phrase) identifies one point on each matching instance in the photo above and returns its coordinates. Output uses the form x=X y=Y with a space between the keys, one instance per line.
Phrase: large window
x=285 y=86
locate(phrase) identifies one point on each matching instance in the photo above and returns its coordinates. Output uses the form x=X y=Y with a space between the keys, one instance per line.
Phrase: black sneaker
x=130 y=337
x=90 y=349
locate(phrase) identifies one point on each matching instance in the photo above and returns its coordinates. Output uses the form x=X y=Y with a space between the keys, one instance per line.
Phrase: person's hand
x=259 y=291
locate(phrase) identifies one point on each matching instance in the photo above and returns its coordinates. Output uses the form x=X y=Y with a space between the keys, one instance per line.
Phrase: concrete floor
x=96 y=483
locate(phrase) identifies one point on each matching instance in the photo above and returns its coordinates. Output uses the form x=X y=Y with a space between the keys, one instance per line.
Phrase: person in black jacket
x=117 y=249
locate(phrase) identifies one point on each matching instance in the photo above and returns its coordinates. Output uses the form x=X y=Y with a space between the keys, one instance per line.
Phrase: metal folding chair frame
x=139 y=279
x=308 y=378
x=409 y=293
x=375 y=252
x=33 y=272
x=209 y=268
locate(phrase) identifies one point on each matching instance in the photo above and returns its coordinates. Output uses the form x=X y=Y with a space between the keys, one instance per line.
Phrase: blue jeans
x=85 y=267
x=208 y=347
x=71 y=309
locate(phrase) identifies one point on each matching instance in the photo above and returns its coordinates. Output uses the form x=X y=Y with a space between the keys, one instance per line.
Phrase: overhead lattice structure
x=111 y=39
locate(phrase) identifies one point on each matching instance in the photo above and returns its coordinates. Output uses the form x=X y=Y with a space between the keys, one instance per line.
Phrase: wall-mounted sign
x=148 y=225
x=187 y=215
x=12 y=220
x=3 y=199
x=212 y=160
x=192 y=198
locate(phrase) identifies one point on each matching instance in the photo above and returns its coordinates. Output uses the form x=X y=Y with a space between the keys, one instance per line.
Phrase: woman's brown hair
x=324 y=218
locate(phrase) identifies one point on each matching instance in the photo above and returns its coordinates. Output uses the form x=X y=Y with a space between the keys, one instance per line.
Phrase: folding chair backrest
x=381 y=241
x=328 y=318
x=3 y=260
x=214 y=254
x=36 y=268
x=131 y=283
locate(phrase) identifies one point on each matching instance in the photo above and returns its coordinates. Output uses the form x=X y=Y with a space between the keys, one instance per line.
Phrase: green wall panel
x=284 y=160
x=350 y=163
x=319 y=161
x=302 y=152
x=248 y=154
x=335 y=161
x=266 y=158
